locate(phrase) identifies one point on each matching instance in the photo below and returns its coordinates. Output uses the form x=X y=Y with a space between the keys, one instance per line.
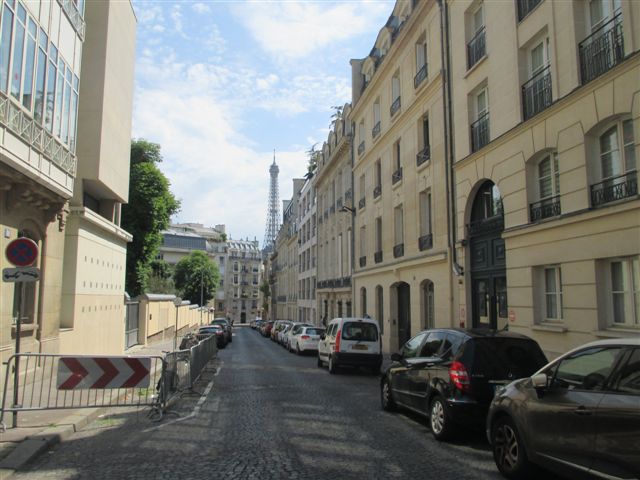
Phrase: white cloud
x=201 y=8
x=296 y=29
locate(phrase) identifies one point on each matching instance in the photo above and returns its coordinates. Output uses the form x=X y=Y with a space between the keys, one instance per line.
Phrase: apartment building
x=64 y=163
x=333 y=184
x=402 y=276
x=546 y=118
x=241 y=281
x=307 y=245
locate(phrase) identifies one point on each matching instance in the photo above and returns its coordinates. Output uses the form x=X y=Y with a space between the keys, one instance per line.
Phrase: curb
x=33 y=446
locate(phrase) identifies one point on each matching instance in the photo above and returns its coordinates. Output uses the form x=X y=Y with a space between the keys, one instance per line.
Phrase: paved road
x=270 y=414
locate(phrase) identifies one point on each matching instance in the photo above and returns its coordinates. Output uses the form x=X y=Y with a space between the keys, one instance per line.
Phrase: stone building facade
x=307 y=245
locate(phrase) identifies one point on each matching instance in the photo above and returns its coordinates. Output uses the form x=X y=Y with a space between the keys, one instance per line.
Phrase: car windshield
x=314 y=331
x=507 y=358
x=359 y=331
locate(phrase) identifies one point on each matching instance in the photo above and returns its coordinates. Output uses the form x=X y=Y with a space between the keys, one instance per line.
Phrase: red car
x=266 y=331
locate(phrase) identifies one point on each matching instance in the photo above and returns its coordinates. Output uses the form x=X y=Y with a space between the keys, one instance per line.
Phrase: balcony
x=423 y=155
x=396 y=176
x=395 y=106
x=398 y=250
x=480 y=132
x=362 y=203
x=377 y=256
x=420 y=76
x=377 y=191
x=602 y=50
x=547 y=208
x=425 y=242
x=361 y=148
x=536 y=93
x=376 y=130
x=614 y=189
x=525 y=6
x=363 y=261
x=476 y=48
x=348 y=195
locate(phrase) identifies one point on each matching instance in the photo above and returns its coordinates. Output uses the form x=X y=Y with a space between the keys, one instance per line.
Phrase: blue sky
x=221 y=84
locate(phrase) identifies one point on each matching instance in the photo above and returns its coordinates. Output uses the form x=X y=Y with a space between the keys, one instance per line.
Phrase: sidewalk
x=38 y=430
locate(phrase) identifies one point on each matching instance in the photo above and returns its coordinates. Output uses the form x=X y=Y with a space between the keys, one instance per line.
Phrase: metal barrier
x=205 y=350
x=39 y=387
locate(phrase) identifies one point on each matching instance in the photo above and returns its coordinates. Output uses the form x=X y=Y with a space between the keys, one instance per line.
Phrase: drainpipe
x=43 y=265
x=445 y=53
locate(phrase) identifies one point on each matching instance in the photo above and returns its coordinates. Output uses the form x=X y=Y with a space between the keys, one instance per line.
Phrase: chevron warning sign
x=103 y=372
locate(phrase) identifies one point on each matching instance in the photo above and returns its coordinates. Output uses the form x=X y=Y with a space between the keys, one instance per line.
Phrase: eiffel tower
x=273 y=211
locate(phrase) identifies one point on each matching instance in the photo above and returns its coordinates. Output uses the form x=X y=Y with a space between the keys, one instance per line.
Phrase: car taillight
x=459 y=376
x=336 y=347
x=305 y=337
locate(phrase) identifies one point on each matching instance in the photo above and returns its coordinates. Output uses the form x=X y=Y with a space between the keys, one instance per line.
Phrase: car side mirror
x=540 y=381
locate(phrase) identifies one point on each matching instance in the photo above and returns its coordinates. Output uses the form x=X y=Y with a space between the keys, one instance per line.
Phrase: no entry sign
x=22 y=252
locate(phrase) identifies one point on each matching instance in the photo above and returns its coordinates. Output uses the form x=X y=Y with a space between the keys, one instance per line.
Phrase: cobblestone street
x=270 y=414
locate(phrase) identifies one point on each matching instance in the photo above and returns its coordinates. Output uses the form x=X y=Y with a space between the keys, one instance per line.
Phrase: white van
x=351 y=341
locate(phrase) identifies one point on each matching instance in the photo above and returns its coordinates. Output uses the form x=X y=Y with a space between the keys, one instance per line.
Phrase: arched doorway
x=488 y=260
x=401 y=292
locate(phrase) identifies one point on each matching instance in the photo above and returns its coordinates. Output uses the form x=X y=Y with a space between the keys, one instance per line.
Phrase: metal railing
x=602 y=50
x=395 y=106
x=376 y=130
x=525 y=6
x=361 y=203
x=536 y=93
x=549 y=207
x=420 y=76
x=377 y=191
x=613 y=189
x=480 y=132
x=377 y=256
x=363 y=261
x=476 y=48
x=423 y=155
x=398 y=250
x=425 y=242
x=75 y=16
x=396 y=176
x=361 y=148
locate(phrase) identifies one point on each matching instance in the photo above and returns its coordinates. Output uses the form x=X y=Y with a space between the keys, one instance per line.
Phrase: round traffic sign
x=22 y=252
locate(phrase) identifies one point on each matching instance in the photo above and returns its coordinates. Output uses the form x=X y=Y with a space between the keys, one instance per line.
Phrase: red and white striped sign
x=103 y=372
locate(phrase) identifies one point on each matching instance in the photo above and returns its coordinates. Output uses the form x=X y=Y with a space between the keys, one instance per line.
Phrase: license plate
x=360 y=347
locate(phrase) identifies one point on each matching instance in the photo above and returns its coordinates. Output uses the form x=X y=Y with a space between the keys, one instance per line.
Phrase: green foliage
x=160 y=268
x=193 y=271
x=266 y=291
x=223 y=237
x=313 y=155
x=160 y=280
x=148 y=212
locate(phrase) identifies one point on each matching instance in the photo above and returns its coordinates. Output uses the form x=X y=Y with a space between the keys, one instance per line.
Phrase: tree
x=313 y=155
x=160 y=280
x=148 y=212
x=266 y=293
x=196 y=274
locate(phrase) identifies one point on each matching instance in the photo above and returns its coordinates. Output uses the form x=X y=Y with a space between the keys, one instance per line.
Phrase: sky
x=221 y=84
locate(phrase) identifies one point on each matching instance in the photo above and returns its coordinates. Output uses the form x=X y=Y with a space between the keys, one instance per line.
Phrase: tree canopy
x=194 y=271
x=151 y=205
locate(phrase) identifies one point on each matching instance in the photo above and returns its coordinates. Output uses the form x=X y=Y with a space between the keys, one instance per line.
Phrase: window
x=380 y=308
x=586 y=369
x=363 y=301
x=377 y=191
x=411 y=348
x=536 y=92
x=398 y=249
x=480 y=127
x=424 y=143
x=553 y=293
x=376 y=118
x=428 y=310
x=361 y=203
x=476 y=48
x=378 y=251
x=625 y=291
x=397 y=163
x=421 y=62
x=361 y=137
x=600 y=11
x=617 y=165
x=548 y=188
x=395 y=93
x=426 y=239
x=628 y=380
x=433 y=343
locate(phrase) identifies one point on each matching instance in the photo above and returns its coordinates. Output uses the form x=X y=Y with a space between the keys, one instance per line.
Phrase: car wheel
x=320 y=364
x=333 y=367
x=386 y=396
x=298 y=352
x=508 y=450
x=439 y=419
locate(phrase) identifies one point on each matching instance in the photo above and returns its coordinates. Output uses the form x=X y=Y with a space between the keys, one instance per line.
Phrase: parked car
x=449 y=375
x=282 y=334
x=351 y=341
x=266 y=329
x=304 y=338
x=580 y=413
x=295 y=327
x=224 y=323
x=217 y=330
x=278 y=325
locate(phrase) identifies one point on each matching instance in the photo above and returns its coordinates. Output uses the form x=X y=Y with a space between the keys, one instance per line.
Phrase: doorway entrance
x=488 y=260
x=403 y=298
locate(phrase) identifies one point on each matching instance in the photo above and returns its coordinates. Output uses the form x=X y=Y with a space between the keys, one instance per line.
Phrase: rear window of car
x=506 y=358
x=314 y=331
x=359 y=331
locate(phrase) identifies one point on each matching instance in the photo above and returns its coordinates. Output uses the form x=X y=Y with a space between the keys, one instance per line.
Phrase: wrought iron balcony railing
x=614 y=189
x=377 y=191
x=536 y=93
x=376 y=130
x=476 y=48
x=602 y=50
x=480 y=132
x=525 y=6
x=396 y=176
x=423 y=155
x=395 y=106
x=425 y=242
x=361 y=203
x=398 y=250
x=361 y=148
x=420 y=76
x=377 y=256
x=363 y=261
x=549 y=207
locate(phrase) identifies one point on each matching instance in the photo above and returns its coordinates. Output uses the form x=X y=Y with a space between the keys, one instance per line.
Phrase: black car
x=224 y=323
x=217 y=330
x=450 y=375
x=578 y=416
